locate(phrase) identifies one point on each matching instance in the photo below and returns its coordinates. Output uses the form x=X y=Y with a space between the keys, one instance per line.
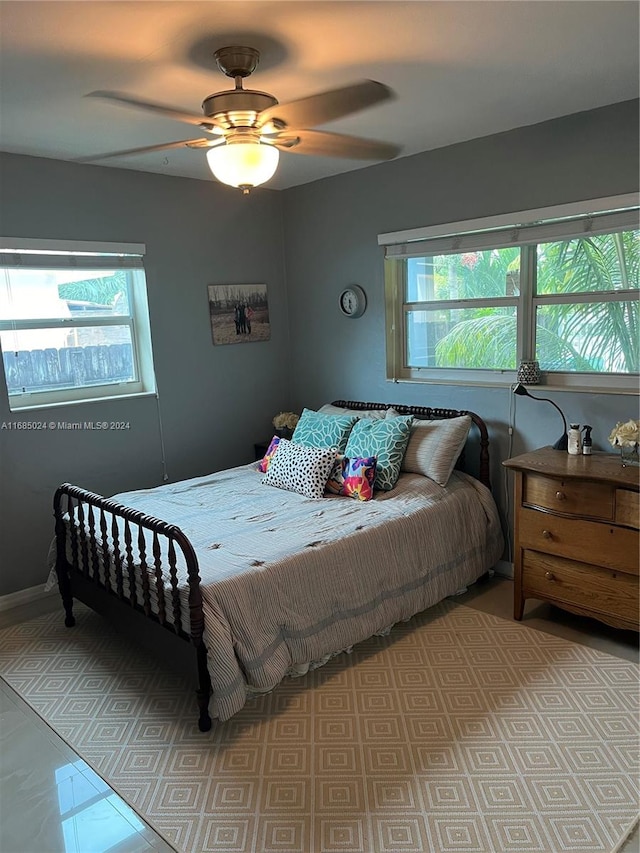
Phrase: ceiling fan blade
x=183 y=143
x=166 y=111
x=334 y=145
x=326 y=106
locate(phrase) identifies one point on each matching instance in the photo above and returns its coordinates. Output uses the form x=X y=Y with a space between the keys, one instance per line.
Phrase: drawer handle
x=550 y=576
x=547 y=534
x=561 y=496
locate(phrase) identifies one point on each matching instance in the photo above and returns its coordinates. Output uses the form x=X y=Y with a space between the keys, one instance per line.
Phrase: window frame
x=463 y=236
x=28 y=253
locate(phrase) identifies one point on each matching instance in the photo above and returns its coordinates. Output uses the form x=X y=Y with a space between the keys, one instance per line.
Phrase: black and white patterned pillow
x=296 y=468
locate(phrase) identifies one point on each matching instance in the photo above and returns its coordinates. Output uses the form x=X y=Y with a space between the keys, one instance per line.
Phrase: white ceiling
x=460 y=70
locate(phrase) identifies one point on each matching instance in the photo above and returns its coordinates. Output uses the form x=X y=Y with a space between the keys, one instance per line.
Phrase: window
x=468 y=302
x=74 y=322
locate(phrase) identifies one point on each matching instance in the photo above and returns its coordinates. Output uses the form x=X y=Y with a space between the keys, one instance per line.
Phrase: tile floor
x=52 y=802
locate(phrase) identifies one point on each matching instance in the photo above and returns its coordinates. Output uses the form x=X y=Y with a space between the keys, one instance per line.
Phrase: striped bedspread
x=289 y=581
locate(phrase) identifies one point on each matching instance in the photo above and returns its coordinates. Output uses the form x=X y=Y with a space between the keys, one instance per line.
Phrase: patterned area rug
x=459 y=731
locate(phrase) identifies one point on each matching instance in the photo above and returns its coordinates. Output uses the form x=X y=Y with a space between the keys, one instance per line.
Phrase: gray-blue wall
x=331 y=229
x=215 y=401
x=306 y=244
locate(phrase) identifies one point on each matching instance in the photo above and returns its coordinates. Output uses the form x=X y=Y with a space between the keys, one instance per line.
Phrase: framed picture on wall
x=239 y=313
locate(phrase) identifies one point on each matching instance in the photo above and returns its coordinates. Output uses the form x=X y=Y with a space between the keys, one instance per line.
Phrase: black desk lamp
x=562 y=442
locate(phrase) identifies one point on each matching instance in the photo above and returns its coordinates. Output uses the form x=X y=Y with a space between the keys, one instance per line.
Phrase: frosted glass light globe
x=243 y=164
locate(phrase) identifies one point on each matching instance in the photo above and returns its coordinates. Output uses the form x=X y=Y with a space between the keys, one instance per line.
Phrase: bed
x=267 y=583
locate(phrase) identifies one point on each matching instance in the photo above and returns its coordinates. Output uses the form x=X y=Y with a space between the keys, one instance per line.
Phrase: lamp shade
x=243 y=164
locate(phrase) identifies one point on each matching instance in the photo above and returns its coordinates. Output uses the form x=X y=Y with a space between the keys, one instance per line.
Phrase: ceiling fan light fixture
x=250 y=127
x=243 y=164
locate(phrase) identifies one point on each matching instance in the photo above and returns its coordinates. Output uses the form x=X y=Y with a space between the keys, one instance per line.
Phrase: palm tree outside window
x=563 y=291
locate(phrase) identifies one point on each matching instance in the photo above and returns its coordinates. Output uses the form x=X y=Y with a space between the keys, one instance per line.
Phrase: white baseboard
x=504 y=569
x=25 y=596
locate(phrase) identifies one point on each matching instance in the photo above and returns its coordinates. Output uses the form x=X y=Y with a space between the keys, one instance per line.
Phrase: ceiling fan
x=247 y=128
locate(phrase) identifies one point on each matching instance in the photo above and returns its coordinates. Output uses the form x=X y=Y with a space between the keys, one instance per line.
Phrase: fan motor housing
x=247 y=101
x=237 y=60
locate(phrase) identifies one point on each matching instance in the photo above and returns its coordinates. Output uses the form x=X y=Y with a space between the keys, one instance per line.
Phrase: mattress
x=288 y=581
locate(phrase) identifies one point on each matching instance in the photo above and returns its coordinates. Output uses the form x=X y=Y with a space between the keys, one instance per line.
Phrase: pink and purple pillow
x=353 y=477
x=264 y=463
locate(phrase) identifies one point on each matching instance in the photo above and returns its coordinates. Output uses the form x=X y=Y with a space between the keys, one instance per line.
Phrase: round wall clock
x=353 y=301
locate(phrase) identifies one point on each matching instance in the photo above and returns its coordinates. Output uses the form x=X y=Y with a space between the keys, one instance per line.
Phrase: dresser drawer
x=628 y=508
x=572 y=497
x=589 y=541
x=568 y=582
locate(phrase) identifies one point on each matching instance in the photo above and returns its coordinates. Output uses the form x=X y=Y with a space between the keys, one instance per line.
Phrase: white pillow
x=376 y=414
x=434 y=447
x=300 y=469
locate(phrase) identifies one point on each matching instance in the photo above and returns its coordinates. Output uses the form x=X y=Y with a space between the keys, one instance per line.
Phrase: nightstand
x=260 y=448
x=576 y=534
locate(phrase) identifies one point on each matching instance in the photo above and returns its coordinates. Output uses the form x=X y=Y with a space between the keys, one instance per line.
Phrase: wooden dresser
x=576 y=534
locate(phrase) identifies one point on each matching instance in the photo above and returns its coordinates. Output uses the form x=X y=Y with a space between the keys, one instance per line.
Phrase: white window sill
x=509 y=383
x=67 y=403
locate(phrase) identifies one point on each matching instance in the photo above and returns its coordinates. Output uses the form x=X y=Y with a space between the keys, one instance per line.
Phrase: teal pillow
x=387 y=440
x=315 y=429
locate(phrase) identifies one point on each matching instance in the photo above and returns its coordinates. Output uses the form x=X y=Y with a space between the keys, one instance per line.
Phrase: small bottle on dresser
x=586 y=441
x=574 y=446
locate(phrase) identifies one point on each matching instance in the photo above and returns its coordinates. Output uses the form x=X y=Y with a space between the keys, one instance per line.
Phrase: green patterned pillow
x=387 y=440
x=315 y=429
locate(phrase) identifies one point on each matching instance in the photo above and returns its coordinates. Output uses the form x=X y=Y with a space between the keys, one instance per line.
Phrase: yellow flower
x=285 y=420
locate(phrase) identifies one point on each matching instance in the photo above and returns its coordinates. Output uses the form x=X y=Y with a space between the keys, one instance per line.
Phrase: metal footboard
x=135 y=558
